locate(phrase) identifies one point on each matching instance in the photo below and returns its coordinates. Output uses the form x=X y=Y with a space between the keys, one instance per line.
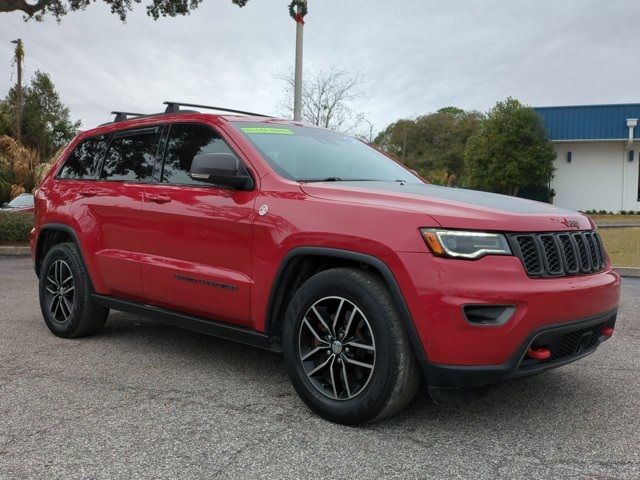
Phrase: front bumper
x=437 y=289
x=568 y=342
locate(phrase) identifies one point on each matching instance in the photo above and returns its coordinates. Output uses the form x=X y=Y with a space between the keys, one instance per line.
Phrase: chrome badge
x=571 y=223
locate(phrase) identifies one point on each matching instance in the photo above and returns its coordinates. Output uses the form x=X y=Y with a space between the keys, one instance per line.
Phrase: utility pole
x=297 y=95
x=297 y=11
x=19 y=58
x=404 y=145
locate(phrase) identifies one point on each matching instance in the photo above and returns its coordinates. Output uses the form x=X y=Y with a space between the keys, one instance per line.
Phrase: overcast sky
x=418 y=55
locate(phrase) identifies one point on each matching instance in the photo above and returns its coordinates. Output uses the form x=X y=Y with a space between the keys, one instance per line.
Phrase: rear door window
x=131 y=156
x=186 y=140
x=84 y=162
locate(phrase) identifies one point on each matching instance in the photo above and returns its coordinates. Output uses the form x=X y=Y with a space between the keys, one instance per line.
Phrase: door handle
x=158 y=198
x=87 y=193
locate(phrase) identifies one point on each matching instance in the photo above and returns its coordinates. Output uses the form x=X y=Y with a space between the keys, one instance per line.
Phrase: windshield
x=21 y=201
x=307 y=154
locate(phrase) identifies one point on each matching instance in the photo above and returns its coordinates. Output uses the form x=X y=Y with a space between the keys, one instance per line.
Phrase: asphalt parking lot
x=144 y=400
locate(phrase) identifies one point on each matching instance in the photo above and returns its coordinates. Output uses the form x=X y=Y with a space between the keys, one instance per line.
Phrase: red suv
x=298 y=239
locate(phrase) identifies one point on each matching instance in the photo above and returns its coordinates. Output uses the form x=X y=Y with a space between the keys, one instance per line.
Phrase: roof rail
x=122 y=116
x=173 y=107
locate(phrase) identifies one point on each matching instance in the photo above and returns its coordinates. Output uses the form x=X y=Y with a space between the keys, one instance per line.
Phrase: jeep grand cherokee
x=297 y=239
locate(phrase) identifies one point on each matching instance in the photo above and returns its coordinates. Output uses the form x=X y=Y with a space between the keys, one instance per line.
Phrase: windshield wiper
x=328 y=179
x=337 y=179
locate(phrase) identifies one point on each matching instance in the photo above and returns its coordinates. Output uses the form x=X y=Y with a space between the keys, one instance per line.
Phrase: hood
x=454 y=207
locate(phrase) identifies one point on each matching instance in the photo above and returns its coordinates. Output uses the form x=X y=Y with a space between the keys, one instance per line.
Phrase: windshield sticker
x=267 y=130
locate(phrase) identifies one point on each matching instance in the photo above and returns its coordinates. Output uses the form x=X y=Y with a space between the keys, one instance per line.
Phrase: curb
x=628 y=271
x=14 y=251
x=618 y=225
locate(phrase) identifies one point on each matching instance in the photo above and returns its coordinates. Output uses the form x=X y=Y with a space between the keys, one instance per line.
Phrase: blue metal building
x=597 y=155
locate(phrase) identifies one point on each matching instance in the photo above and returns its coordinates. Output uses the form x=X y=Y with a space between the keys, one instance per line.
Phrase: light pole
x=297 y=11
x=19 y=57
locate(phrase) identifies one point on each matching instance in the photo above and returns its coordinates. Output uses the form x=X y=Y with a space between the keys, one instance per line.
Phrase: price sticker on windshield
x=267 y=131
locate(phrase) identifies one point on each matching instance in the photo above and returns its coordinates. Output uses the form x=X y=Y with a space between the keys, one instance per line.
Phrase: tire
x=65 y=294
x=373 y=393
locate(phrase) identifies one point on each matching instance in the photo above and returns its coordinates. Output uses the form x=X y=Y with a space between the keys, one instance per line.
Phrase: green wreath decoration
x=298 y=10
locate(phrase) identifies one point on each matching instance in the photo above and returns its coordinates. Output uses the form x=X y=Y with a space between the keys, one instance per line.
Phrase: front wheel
x=346 y=350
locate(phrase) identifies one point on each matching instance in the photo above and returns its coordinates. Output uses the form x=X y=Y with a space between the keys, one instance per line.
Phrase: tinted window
x=185 y=142
x=131 y=157
x=84 y=161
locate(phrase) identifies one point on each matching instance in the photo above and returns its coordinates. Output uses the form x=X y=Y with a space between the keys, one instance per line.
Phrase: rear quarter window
x=84 y=161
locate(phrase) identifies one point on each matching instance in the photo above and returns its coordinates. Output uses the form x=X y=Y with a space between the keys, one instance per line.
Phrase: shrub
x=15 y=228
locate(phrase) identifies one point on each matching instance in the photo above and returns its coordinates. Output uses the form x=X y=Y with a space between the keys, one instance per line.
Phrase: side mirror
x=220 y=169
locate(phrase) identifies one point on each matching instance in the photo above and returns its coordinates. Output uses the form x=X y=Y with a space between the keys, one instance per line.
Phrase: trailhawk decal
x=208 y=283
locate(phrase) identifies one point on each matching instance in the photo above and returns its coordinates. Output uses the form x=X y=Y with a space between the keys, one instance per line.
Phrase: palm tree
x=21 y=169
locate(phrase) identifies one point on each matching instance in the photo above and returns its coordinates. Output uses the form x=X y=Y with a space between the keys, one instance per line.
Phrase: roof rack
x=122 y=116
x=174 y=107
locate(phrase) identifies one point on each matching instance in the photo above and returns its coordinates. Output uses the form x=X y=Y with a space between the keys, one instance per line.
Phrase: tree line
x=46 y=127
x=505 y=150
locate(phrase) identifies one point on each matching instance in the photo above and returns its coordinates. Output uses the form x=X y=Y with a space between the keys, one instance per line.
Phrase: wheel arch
x=52 y=234
x=302 y=263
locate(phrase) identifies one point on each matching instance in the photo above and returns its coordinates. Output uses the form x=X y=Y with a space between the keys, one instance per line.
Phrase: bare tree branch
x=328 y=99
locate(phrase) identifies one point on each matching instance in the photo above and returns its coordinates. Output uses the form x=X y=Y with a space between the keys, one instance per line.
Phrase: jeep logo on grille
x=571 y=223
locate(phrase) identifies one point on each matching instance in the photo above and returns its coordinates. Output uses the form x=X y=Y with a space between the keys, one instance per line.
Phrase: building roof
x=590 y=122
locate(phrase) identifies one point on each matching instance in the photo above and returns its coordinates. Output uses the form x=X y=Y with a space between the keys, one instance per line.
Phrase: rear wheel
x=346 y=350
x=65 y=294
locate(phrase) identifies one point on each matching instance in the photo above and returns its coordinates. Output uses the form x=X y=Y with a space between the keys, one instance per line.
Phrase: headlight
x=463 y=244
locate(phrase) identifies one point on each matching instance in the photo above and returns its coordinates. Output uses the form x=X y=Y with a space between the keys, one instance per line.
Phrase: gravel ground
x=144 y=400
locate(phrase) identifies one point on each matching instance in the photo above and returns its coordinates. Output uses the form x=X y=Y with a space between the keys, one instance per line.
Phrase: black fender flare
x=62 y=228
x=363 y=258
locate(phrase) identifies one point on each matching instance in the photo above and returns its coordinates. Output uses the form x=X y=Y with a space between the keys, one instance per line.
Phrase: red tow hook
x=607 y=331
x=539 y=353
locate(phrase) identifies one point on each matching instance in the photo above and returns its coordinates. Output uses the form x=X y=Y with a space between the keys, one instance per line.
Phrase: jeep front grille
x=559 y=254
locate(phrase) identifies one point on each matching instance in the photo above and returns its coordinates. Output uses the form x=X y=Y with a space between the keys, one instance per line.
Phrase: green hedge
x=15 y=228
